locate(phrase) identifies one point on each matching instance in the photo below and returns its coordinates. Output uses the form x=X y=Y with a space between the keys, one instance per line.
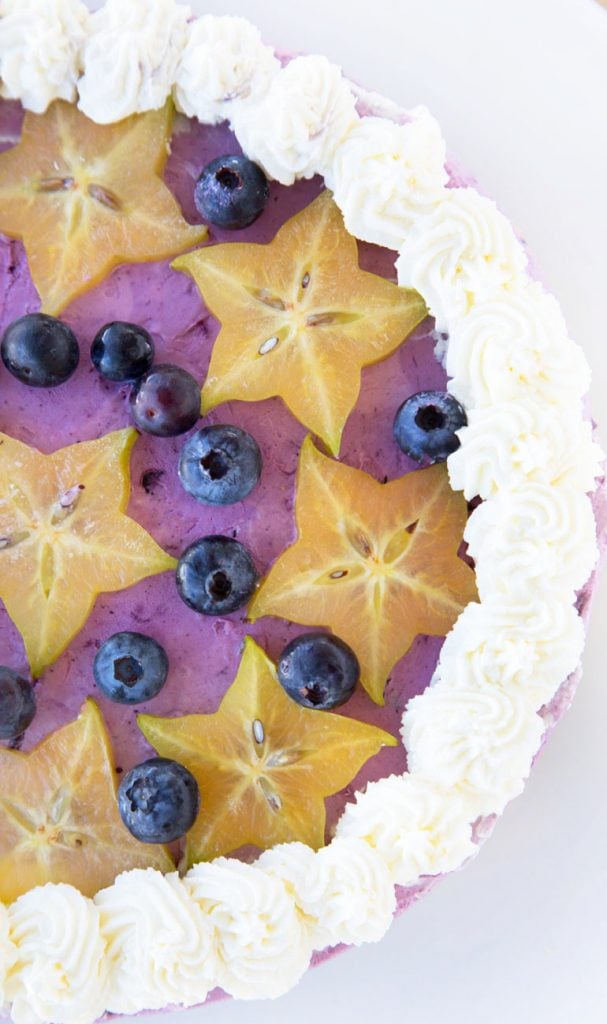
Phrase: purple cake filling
x=203 y=652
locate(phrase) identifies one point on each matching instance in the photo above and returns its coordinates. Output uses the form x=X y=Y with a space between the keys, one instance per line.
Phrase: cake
x=145 y=941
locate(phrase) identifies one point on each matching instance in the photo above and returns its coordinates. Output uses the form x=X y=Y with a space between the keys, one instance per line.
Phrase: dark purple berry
x=166 y=401
x=130 y=668
x=216 y=576
x=17 y=703
x=220 y=465
x=231 y=192
x=122 y=351
x=318 y=671
x=158 y=800
x=40 y=350
x=426 y=423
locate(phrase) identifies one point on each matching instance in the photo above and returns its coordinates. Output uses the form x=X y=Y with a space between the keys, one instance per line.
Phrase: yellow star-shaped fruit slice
x=376 y=563
x=59 y=819
x=299 y=319
x=65 y=538
x=263 y=764
x=85 y=197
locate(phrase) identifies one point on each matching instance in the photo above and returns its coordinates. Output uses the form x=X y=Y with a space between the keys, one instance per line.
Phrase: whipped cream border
x=472 y=735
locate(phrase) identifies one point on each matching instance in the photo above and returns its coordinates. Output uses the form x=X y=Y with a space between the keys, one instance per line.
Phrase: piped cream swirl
x=295 y=129
x=528 y=645
x=539 y=538
x=384 y=175
x=159 y=943
x=515 y=346
x=261 y=943
x=224 y=64
x=294 y=864
x=130 y=57
x=416 y=826
x=60 y=971
x=40 y=47
x=344 y=891
x=512 y=443
x=481 y=738
x=358 y=899
x=462 y=253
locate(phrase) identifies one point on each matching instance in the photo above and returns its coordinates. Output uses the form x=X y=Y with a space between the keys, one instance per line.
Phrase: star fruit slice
x=299 y=319
x=376 y=563
x=263 y=764
x=59 y=819
x=65 y=537
x=85 y=197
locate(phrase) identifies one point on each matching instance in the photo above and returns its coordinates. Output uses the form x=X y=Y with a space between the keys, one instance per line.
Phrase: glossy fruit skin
x=318 y=671
x=166 y=401
x=158 y=800
x=122 y=351
x=17 y=703
x=130 y=668
x=231 y=192
x=216 y=575
x=220 y=465
x=40 y=350
x=425 y=424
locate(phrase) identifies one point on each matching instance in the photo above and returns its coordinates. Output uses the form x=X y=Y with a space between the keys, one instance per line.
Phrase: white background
x=520 y=88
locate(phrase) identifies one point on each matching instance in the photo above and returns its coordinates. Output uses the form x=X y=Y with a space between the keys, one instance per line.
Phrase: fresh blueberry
x=158 y=800
x=231 y=192
x=122 y=351
x=130 y=668
x=425 y=425
x=40 y=350
x=318 y=671
x=220 y=465
x=166 y=401
x=216 y=575
x=17 y=703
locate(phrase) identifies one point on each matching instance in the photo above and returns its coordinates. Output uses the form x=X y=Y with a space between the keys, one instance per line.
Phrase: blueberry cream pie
x=300 y=508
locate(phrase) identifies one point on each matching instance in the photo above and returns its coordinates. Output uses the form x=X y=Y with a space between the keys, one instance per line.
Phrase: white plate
x=520 y=87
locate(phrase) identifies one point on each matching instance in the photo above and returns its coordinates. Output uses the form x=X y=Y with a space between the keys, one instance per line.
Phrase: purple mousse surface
x=204 y=652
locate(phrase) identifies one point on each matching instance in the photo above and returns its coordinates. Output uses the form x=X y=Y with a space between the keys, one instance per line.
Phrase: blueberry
x=216 y=575
x=40 y=350
x=17 y=703
x=425 y=425
x=318 y=671
x=231 y=192
x=158 y=800
x=130 y=668
x=166 y=401
x=220 y=465
x=122 y=351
